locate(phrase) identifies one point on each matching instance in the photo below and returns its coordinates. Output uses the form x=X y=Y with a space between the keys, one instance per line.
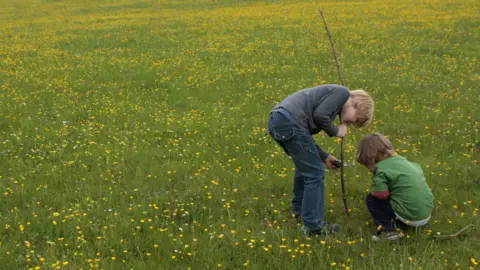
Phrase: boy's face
x=372 y=168
x=349 y=116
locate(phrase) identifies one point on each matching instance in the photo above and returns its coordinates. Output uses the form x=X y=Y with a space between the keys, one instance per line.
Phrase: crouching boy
x=399 y=197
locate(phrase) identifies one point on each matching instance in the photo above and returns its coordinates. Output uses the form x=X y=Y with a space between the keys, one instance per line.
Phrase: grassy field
x=132 y=132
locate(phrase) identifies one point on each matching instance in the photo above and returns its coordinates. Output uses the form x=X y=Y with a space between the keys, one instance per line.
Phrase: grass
x=132 y=132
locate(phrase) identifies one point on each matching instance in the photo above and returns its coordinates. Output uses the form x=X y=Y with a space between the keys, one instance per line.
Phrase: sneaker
x=392 y=236
x=327 y=229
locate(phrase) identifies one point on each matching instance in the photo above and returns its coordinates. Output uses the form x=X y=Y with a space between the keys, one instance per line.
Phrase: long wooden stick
x=342 y=147
x=449 y=236
x=340 y=75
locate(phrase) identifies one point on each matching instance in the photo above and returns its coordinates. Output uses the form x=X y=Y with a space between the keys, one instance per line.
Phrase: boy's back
x=410 y=196
x=315 y=108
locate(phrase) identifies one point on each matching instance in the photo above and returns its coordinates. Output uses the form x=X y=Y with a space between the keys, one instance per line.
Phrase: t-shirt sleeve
x=380 y=182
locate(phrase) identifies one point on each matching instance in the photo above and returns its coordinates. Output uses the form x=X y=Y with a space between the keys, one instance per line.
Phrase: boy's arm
x=323 y=155
x=379 y=187
x=335 y=100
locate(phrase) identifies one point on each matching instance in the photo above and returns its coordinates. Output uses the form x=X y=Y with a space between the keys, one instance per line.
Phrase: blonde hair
x=363 y=103
x=374 y=148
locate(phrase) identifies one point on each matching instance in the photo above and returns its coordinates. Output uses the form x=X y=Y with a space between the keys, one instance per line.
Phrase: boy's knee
x=369 y=198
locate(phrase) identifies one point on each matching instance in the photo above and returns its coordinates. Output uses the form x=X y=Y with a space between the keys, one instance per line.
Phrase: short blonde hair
x=363 y=103
x=374 y=148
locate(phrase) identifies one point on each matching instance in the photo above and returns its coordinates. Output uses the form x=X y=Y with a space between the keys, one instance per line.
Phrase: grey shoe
x=327 y=229
x=391 y=236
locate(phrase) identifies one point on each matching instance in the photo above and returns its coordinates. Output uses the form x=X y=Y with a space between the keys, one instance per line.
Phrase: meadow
x=132 y=132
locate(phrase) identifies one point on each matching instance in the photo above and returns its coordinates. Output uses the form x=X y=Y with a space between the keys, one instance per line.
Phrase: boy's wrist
x=324 y=156
x=332 y=131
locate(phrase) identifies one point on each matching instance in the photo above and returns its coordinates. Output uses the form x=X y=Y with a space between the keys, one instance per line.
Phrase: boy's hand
x=342 y=131
x=332 y=162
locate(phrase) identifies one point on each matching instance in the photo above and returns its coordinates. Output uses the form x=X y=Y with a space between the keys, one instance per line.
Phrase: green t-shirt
x=410 y=195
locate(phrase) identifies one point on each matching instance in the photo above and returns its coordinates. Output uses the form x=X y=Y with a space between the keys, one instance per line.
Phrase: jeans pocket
x=280 y=127
x=283 y=133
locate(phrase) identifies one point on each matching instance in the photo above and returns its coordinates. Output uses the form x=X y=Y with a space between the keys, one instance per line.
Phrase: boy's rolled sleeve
x=331 y=104
x=331 y=130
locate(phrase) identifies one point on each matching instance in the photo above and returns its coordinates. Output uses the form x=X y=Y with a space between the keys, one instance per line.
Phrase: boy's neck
x=386 y=156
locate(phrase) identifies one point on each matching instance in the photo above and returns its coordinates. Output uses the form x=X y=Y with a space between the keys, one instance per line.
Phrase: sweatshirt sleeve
x=330 y=104
x=380 y=182
x=323 y=155
x=379 y=188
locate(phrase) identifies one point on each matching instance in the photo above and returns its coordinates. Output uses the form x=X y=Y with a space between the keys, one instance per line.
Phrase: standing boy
x=293 y=122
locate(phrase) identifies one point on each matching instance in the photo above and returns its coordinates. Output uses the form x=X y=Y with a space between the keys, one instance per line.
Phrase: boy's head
x=358 y=111
x=373 y=148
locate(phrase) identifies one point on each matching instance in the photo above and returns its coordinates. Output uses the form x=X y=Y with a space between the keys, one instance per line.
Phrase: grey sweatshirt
x=316 y=108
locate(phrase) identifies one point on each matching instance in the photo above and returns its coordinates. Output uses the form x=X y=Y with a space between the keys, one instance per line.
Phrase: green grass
x=131 y=133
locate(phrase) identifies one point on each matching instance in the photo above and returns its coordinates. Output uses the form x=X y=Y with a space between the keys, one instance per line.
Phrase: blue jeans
x=308 y=182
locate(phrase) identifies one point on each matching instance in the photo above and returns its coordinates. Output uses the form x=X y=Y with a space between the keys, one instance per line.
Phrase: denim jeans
x=382 y=213
x=308 y=182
